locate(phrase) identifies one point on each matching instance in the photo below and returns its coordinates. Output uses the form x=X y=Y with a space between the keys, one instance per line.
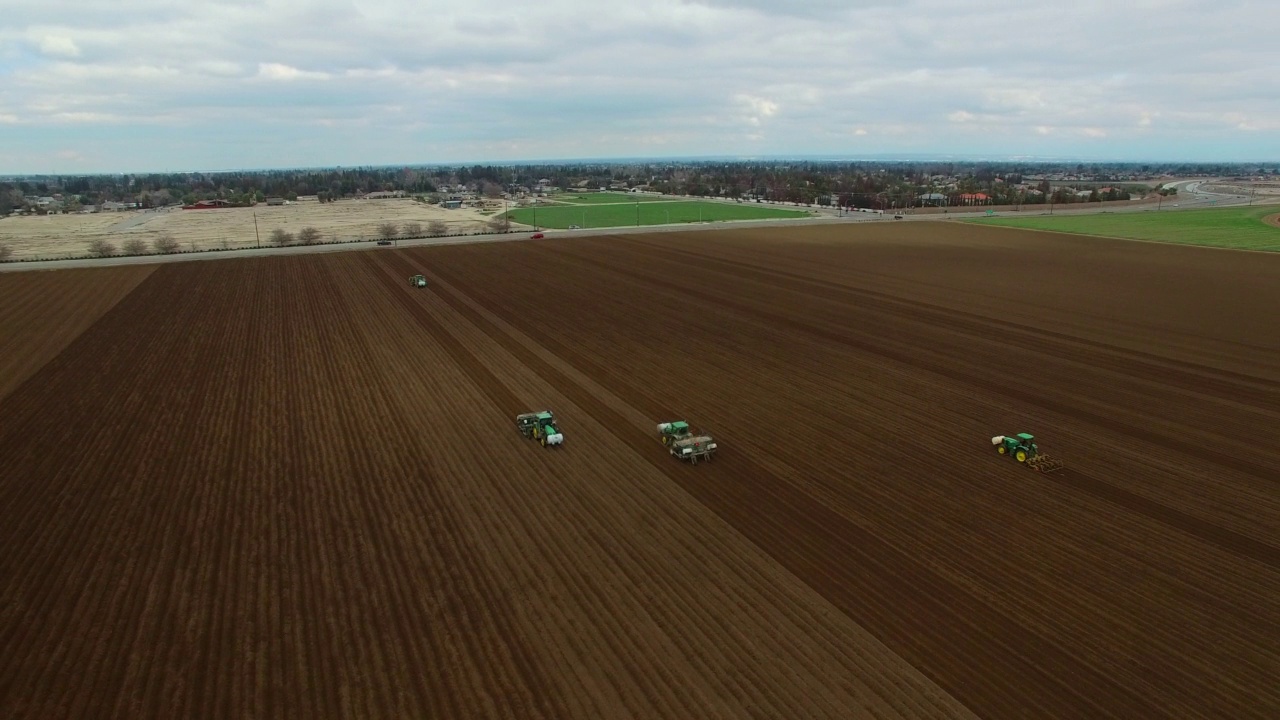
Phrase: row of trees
x=164 y=244
x=387 y=230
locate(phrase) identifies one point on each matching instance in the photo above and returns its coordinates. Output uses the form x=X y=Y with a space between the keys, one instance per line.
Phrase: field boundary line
x=979 y=222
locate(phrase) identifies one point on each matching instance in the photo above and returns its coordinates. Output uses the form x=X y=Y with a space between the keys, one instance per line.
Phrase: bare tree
x=436 y=228
x=6 y=252
x=499 y=223
x=413 y=229
x=388 y=230
x=101 y=248
x=165 y=244
x=281 y=237
x=308 y=236
x=134 y=246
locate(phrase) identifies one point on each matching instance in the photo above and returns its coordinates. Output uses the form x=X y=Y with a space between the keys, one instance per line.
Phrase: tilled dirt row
x=1145 y=579
x=42 y=312
x=293 y=487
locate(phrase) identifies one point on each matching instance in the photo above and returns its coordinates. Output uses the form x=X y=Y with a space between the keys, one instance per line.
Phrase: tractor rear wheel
x=1021 y=455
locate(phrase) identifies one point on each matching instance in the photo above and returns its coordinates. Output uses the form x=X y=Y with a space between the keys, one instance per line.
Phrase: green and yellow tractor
x=1022 y=447
x=418 y=281
x=540 y=426
x=686 y=444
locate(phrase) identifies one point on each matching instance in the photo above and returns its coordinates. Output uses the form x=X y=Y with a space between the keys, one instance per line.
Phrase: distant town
x=830 y=183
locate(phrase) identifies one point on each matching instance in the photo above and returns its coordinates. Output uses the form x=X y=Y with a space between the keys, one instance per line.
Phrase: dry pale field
x=69 y=235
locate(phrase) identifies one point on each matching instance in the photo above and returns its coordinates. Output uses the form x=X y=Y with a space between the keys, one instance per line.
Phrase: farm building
x=207 y=205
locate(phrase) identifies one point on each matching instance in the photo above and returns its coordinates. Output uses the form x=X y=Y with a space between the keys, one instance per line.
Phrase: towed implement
x=686 y=444
x=540 y=426
x=1022 y=447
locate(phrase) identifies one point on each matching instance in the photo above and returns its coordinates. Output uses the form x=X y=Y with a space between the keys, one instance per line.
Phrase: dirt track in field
x=292 y=487
x=1273 y=220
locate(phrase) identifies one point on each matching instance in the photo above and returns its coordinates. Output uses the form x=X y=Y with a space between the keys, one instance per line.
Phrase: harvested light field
x=292 y=487
x=52 y=236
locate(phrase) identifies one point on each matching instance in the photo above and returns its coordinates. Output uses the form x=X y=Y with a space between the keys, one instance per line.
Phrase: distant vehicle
x=536 y=236
x=897 y=217
x=575 y=227
x=418 y=281
x=384 y=241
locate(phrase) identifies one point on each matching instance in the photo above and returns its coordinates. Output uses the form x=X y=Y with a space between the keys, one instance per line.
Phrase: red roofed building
x=974 y=199
x=208 y=205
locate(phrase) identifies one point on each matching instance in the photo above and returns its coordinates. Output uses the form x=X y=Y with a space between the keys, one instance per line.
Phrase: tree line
x=848 y=183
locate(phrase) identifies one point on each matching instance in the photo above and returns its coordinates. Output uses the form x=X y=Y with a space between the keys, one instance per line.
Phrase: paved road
x=523 y=236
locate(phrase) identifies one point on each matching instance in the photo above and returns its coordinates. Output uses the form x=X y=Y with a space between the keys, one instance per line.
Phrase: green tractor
x=686 y=444
x=418 y=281
x=540 y=426
x=1022 y=447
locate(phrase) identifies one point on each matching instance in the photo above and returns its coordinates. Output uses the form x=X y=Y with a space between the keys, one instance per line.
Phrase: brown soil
x=294 y=487
x=41 y=312
x=1272 y=220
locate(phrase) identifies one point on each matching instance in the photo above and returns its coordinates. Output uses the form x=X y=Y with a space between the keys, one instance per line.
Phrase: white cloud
x=59 y=46
x=279 y=71
x=437 y=80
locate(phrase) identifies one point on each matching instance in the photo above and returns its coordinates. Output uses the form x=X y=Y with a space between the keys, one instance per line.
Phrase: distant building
x=384 y=194
x=275 y=201
x=451 y=204
x=208 y=205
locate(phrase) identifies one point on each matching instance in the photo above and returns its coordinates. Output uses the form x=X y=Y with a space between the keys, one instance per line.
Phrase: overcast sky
x=135 y=85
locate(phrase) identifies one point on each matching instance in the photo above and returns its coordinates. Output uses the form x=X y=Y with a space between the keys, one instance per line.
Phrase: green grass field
x=651 y=213
x=599 y=198
x=1238 y=227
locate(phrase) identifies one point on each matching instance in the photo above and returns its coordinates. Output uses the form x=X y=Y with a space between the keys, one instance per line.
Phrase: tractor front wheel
x=543 y=441
x=665 y=439
x=1002 y=450
x=1021 y=455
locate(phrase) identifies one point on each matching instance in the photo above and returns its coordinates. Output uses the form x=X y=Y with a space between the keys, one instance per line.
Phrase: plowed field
x=292 y=487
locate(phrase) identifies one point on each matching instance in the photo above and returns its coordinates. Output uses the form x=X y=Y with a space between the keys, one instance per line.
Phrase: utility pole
x=637 y=214
x=255 y=228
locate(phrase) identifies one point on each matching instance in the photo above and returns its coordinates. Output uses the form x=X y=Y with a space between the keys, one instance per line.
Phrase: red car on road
x=536 y=236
